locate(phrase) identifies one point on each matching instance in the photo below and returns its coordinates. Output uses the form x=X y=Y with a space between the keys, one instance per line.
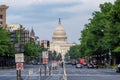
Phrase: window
x=1 y=16
x=0 y=22
x=0 y=10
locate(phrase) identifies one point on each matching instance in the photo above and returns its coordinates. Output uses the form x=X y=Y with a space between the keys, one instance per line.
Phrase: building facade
x=12 y=27
x=3 y=15
x=20 y=37
x=59 y=41
x=32 y=36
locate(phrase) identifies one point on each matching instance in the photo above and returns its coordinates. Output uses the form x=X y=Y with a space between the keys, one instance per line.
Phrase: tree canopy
x=32 y=50
x=6 y=46
x=102 y=33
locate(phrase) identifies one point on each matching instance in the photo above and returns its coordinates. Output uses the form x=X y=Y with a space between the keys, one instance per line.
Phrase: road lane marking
x=69 y=75
x=65 y=74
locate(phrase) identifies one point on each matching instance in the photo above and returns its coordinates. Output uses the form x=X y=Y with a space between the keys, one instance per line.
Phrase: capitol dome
x=59 y=42
x=59 y=34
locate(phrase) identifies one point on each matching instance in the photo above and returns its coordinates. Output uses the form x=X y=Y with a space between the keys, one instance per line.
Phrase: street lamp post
x=109 y=57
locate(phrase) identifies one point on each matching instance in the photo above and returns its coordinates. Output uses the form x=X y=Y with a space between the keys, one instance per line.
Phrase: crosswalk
x=58 y=74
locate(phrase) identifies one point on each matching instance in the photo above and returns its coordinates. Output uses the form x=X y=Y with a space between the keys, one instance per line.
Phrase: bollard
x=40 y=70
x=50 y=71
x=45 y=69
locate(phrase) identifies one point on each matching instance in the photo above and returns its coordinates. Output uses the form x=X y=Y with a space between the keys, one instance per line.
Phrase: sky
x=43 y=15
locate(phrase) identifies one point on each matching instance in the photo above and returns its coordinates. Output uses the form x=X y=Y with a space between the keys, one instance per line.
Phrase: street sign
x=44 y=54
x=19 y=66
x=45 y=60
x=45 y=57
x=19 y=57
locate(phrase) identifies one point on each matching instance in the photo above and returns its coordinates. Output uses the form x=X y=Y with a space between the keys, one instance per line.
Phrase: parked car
x=92 y=66
x=78 y=65
x=73 y=62
x=67 y=62
x=85 y=64
x=118 y=68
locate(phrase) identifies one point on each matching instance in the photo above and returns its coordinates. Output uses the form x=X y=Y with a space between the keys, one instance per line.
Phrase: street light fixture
x=109 y=57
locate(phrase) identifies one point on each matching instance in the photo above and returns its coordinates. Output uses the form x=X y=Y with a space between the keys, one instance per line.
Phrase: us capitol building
x=59 y=41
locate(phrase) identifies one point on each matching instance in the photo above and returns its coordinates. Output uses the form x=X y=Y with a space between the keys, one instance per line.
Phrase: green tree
x=93 y=34
x=32 y=51
x=102 y=34
x=54 y=55
x=59 y=56
x=67 y=56
x=74 y=52
x=6 y=46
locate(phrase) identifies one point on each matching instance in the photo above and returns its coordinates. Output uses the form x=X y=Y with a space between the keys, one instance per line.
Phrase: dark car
x=68 y=62
x=36 y=63
x=73 y=62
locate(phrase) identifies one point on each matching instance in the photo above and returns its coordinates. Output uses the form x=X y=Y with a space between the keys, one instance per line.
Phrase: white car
x=78 y=65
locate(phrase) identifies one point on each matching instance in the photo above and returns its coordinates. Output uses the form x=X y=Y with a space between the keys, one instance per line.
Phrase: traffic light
x=48 y=44
x=42 y=43
x=45 y=44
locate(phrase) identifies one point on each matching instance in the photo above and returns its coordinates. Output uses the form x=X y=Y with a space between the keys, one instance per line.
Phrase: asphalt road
x=72 y=73
x=31 y=72
x=91 y=74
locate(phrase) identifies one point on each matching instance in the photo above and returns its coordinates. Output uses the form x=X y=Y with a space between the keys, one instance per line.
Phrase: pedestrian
x=118 y=68
x=62 y=64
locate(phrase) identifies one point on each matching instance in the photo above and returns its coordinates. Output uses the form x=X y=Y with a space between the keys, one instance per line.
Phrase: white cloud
x=20 y=3
x=60 y=1
x=14 y=18
x=71 y=9
x=72 y=24
x=86 y=5
x=96 y=2
x=25 y=3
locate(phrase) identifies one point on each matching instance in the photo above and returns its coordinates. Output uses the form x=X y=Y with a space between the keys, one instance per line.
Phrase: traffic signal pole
x=18 y=74
x=45 y=69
